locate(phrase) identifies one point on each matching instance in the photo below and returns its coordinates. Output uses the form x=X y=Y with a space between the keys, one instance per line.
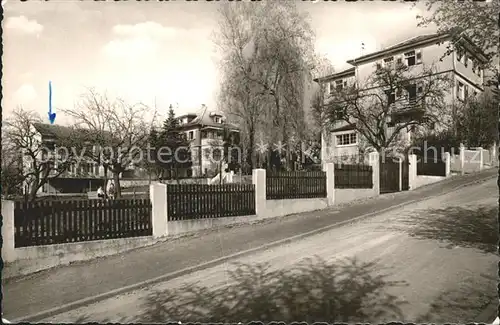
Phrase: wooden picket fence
x=59 y=222
x=201 y=201
x=295 y=185
x=353 y=176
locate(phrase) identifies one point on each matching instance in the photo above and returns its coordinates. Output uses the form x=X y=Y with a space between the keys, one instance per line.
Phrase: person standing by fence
x=100 y=193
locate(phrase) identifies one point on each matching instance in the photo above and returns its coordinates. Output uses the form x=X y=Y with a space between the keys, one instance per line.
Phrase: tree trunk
x=118 y=190
x=33 y=189
x=105 y=180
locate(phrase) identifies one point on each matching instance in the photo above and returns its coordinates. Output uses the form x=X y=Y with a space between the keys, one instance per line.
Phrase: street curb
x=169 y=276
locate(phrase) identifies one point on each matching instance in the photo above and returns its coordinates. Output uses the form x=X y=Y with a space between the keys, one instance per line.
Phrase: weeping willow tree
x=267 y=53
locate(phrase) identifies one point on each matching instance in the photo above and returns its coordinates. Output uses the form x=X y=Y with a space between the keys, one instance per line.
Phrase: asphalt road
x=431 y=261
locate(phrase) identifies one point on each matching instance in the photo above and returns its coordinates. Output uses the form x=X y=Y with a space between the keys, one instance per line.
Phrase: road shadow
x=465 y=303
x=475 y=227
x=312 y=291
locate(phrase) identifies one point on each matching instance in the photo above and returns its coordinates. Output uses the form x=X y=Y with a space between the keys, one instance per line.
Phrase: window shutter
x=466 y=91
x=418 y=54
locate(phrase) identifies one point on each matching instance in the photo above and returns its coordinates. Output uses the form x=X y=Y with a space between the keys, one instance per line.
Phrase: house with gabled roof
x=204 y=131
x=83 y=175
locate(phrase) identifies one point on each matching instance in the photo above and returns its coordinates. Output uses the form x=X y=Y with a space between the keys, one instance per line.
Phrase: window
x=191 y=135
x=340 y=84
x=460 y=55
x=466 y=60
x=399 y=60
x=471 y=62
x=347 y=139
x=217 y=119
x=460 y=90
x=466 y=91
x=391 y=96
x=410 y=58
x=378 y=66
x=479 y=70
x=389 y=62
x=412 y=93
x=206 y=153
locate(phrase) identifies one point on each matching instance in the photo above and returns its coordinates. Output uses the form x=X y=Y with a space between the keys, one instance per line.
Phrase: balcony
x=404 y=112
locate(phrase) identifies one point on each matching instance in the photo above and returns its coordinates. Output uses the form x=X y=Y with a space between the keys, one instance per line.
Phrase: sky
x=158 y=52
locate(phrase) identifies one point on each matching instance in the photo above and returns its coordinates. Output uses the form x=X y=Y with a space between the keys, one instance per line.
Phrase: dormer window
x=217 y=119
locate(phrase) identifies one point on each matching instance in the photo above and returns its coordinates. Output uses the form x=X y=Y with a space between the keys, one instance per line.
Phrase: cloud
x=136 y=47
x=25 y=94
x=134 y=41
x=138 y=40
x=23 y=25
x=146 y=29
x=383 y=27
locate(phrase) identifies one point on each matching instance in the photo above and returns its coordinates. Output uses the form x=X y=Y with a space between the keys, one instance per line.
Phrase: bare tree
x=242 y=106
x=12 y=168
x=118 y=132
x=270 y=46
x=391 y=100
x=41 y=161
x=323 y=68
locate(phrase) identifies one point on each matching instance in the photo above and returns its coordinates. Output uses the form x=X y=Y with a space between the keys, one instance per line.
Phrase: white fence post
x=158 y=196
x=400 y=163
x=481 y=158
x=493 y=154
x=462 y=159
x=259 y=180
x=330 y=183
x=447 y=161
x=8 y=231
x=412 y=171
x=324 y=151
x=374 y=161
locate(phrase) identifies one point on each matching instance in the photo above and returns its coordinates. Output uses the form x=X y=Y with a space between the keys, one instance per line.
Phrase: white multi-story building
x=464 y=65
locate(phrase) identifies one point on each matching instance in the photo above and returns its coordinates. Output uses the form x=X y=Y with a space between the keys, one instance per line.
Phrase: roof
x=56 y=131
x=204 y=119
x=416 y=41
x=347 y=127
x=343 y=73
x=64 y=132
x=410 y=42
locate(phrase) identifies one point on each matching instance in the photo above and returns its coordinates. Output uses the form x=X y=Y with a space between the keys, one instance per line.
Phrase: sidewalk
x=53 y=288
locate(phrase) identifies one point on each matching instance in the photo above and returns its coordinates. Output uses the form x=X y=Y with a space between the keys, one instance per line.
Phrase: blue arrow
x=52 y=116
